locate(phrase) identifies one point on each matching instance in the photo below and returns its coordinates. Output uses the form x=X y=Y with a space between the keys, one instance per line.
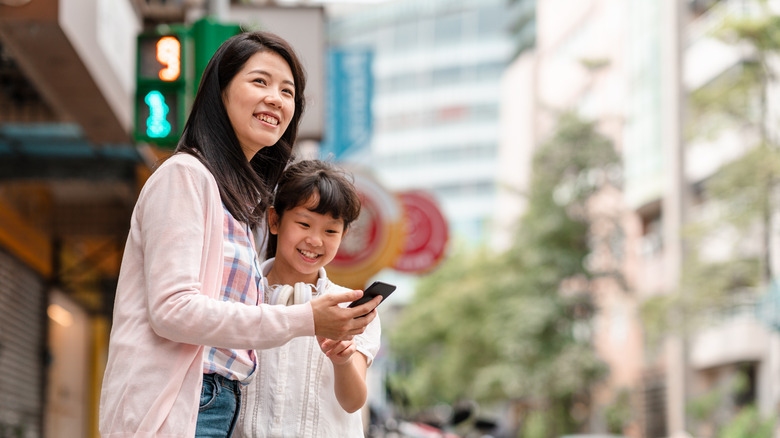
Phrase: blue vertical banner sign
x=349 y=121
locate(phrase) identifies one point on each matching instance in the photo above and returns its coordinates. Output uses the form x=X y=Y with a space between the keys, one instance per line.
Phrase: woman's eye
x=288 y=91
x=260 y=81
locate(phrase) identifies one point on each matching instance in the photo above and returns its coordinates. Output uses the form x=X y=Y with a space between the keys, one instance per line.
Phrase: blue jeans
x=220 y=402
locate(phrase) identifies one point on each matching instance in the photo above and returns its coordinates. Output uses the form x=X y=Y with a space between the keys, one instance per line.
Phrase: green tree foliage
x=618 y=414
x=494 y=328
x=740 y=193
x=715 y=409
x=749 y=423
x=735 y=204
x=733 y=207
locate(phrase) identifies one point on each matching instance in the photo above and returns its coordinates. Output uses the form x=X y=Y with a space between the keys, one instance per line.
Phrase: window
x=448 y=29
x=492 y=21
x=406 y=35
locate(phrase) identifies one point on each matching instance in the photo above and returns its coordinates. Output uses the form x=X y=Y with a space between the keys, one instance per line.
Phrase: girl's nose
x=314 y=240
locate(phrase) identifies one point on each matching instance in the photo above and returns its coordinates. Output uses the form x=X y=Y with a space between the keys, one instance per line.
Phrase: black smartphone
x=376 y=288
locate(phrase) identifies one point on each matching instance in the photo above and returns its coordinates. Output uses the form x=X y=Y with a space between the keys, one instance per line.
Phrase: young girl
x=308 y=387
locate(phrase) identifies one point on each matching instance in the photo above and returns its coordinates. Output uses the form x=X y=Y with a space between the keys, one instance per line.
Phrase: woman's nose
x=273 y=98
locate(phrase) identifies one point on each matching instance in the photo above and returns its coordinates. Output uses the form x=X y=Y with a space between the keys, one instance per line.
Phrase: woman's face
x=260 y=101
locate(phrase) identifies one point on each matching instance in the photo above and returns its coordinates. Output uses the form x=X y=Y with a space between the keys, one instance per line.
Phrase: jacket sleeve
x=181 y=231
x=369 y=341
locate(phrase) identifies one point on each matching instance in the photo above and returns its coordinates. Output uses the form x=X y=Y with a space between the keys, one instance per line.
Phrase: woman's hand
x=340 y=323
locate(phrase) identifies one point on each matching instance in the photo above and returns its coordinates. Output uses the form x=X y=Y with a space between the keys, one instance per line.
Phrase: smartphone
x=376 y=288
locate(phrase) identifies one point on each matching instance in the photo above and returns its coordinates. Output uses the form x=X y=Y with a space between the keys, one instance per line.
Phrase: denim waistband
x=223 y=381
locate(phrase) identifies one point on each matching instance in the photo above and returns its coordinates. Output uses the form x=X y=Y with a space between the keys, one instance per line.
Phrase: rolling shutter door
x=22 y=323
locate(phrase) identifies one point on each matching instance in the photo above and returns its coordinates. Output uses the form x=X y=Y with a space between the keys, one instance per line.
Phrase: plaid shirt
x=240 y=283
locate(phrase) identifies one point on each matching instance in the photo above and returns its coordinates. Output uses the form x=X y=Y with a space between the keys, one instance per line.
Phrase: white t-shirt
x=292 y=394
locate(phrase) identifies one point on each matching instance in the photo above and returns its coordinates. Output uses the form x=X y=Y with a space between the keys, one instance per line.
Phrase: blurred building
x=436 y=70
x=629 y=66
x=578 y=63
x=69 y=174
x=740 y=339
x=665 y=171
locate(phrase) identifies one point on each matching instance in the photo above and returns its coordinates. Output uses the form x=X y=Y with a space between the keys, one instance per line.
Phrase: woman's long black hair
x=245 y=187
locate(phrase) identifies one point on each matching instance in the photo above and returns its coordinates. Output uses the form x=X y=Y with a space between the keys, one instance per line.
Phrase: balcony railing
x=740 y=305
x=758 y=305
x=708 y=22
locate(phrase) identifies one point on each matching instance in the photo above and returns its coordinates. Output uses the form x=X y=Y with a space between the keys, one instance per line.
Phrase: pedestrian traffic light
x=161 y=84
x=207 y=35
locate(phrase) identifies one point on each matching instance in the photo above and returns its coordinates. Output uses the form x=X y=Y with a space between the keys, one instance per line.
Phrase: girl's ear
x=273 y=221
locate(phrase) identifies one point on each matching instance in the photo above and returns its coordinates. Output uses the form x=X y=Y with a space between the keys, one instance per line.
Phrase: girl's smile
x=307 y=241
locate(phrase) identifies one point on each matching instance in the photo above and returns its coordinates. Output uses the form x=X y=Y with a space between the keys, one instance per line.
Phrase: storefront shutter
x=22 y=323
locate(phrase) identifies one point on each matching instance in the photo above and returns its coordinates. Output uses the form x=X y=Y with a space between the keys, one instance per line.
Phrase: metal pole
x=218 y=9
x=672 y=98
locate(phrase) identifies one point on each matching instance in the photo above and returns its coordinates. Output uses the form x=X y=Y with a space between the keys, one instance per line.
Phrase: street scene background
x=576 y=199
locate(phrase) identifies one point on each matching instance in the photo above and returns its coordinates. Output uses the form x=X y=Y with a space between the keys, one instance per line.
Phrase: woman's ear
x=273 y=221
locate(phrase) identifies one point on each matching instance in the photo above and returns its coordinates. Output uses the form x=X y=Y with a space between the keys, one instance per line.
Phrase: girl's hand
x=339 y=352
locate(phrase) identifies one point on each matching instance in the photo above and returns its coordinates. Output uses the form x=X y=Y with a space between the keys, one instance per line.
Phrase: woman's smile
x=260 y=101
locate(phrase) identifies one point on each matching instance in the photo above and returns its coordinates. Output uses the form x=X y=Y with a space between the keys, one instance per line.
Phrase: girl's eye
x=288 y=91
x=303 y=224
x=332 y=231
x=260 y=81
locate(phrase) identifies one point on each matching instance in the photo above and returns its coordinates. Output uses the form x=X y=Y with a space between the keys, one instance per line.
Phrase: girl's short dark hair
x=245 y=187
x=331 y=186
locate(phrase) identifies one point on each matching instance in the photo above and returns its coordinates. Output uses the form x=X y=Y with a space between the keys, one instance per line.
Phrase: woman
x=186 y=315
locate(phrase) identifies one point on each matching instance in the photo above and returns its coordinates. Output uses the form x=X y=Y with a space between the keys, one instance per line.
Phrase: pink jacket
x=166 y=307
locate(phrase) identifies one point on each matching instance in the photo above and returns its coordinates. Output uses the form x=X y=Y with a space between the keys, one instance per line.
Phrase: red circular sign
x=426 y=233
x=373 y=241
x=363 y=237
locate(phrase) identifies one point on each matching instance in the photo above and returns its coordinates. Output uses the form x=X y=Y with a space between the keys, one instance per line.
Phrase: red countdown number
x=169 y=55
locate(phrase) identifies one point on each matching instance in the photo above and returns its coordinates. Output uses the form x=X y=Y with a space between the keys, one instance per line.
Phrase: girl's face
x=306 y=241
x=260 y=101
